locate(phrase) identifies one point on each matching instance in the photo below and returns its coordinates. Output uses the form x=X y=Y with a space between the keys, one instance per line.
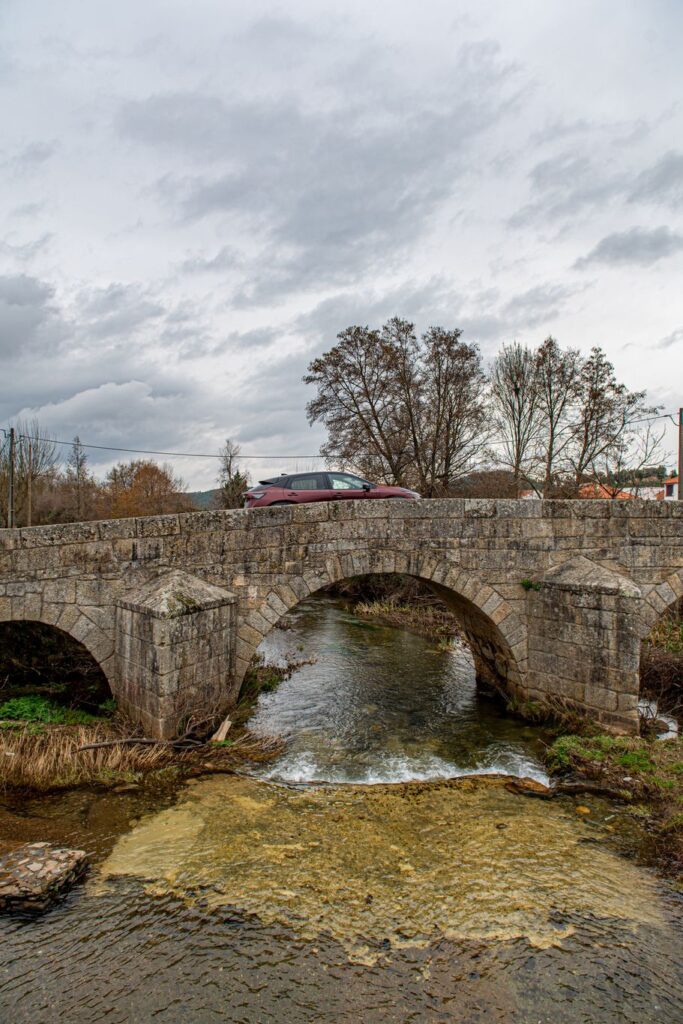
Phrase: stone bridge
x=553 y=597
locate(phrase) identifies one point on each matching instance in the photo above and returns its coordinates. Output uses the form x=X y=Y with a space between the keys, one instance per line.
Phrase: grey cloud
x=28 y=210
x=537 y=305
x=675 y=338
x=206 y=127
x=328 y=194
x=483 y=316
x=118 y=309
x=29 y=318
x=278 y=33
x=32 y=156
x=226 y=258
x=638 y=246
x=566 y=184
x=26 y=251
x=661 y=183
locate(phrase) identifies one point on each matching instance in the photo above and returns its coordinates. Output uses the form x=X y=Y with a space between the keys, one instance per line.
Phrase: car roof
x=274 y=480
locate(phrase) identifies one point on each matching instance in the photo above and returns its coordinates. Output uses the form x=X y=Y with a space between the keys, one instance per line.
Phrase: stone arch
x=659 y=600
x=76 y=624
x=495 y=633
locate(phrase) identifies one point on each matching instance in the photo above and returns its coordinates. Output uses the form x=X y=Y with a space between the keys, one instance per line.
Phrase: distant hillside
x=203 y=499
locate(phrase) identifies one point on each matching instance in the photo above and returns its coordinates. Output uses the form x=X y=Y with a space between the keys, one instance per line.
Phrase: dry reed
x=51 y=759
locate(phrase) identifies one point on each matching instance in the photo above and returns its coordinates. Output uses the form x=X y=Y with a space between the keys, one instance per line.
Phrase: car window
x=345 y=482
x=312 y=482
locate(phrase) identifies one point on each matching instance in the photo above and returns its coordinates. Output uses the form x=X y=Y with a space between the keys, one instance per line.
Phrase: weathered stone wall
x=477 y=551
x=583 y=642
x=175 y=653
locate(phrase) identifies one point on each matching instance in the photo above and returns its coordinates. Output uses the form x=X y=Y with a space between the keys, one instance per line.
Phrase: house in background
x=670 y=492
x=600 y=491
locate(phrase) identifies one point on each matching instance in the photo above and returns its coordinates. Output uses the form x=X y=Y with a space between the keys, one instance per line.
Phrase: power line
x=214 y=455
x=149 y=451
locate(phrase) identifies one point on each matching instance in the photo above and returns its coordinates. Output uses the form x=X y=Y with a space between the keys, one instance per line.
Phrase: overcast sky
x=197 y=196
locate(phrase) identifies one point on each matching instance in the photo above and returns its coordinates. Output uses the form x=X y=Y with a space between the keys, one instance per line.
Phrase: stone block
x=117 y=529
x=33 y=876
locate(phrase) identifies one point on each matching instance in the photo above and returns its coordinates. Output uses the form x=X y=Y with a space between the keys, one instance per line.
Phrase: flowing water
x=449 y=900
x=380 y=704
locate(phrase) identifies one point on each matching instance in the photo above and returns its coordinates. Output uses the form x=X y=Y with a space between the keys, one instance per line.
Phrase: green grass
x=34 y=709
x=650 y=772
x=668 y=635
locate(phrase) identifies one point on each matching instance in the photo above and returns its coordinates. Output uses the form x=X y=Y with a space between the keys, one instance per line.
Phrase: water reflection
x=383 y=705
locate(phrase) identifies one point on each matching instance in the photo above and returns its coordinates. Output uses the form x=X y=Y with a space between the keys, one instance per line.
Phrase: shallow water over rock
x=389 y=865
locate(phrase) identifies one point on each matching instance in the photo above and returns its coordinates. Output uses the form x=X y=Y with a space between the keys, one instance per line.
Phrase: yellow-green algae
x=406 y=864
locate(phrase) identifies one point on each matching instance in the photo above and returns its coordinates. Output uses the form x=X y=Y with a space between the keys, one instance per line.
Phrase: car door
x=345 y=486
x=306 y=487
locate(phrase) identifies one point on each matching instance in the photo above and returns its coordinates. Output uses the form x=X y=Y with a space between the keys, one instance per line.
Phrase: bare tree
x=557 y=379
x=35 y=466
x=359 y=401
x=605 y=412
x=401 y=409
x=455 y=429
x=232 y=483
x=79 y=479
x=640 y=445
x=516 y=410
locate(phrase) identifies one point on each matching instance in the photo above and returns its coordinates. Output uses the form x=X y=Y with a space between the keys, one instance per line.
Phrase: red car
x=303 y=487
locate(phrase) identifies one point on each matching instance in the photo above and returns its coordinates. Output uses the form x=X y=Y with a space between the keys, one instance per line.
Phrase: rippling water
x=380 y=704
x=247 y=901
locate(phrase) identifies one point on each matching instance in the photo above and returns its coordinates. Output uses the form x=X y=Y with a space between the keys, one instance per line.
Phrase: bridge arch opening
x=485 y=620
x=661 y=658
x=38 y=659
x=380 y=678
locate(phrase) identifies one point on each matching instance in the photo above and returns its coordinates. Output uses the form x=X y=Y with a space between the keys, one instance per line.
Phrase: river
x=408 y=891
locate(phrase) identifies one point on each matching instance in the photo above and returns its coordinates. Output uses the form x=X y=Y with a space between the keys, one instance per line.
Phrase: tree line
x=423 y=412
x=46 y=491
x=49 y=491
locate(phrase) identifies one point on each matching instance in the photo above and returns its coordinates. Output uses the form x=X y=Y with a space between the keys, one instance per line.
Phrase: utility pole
x=680 y=455
x=10 y=497
x=29 y=485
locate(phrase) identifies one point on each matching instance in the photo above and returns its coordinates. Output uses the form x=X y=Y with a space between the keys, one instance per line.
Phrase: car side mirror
x=367 y=487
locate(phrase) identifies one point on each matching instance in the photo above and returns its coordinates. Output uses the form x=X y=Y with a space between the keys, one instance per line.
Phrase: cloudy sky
x=196 y=197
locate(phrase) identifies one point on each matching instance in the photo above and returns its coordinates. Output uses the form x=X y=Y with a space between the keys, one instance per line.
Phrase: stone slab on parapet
x=580 y=573
x=174 y=594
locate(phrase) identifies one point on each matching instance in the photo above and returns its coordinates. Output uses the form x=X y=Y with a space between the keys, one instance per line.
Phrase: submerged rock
x=386 y=867
x=34 y=875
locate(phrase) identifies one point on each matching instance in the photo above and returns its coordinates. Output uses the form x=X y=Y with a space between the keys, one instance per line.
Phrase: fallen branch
x=128 y=741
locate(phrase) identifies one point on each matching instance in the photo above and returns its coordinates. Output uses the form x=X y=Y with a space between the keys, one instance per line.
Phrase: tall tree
x=78 y=478
x=232 y=482
x=400 y=409
x=558 y=375
x=604 y=418
x=516 y=410
x=455 y=429
x=35 y=466
x=359 y=401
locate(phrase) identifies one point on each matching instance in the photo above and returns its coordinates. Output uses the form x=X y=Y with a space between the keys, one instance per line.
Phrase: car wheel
x=274 y=503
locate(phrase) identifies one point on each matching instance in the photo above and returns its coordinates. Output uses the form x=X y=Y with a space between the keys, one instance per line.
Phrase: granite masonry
x=33 y=876
x=554 y=597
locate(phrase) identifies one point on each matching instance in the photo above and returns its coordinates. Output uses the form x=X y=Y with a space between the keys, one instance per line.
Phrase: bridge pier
x=175 y=644
x=584 y=646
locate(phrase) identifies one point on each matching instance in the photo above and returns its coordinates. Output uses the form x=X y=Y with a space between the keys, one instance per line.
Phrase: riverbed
x=364 y=897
